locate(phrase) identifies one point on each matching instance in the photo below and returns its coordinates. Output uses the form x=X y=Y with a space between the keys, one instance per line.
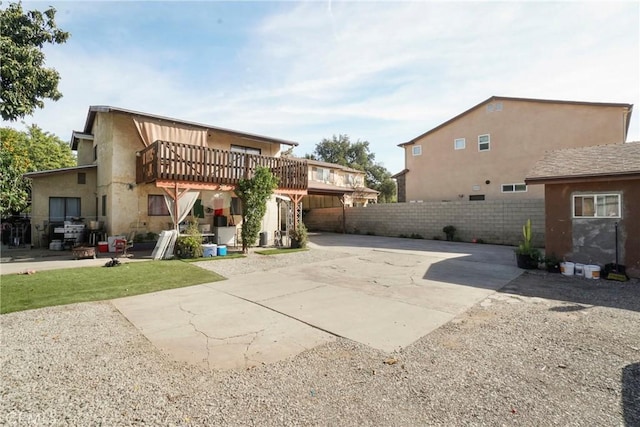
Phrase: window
x=416 y=150
x=483 y=142
x=476 y=197
x=247 y=150
x=514 y=188
x=63 y=208
x=322 y=174
x=459 y=144
x=82 y=178
x=95 y=152
x=236 y=206
x=596 y=206
x=156 y=205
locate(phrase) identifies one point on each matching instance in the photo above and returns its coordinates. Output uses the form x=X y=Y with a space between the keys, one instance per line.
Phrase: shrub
x=299 y=236
x=189 y=245
x=449 y=231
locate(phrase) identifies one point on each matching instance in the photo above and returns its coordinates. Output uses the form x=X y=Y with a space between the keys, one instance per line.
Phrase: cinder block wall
x=494 y=221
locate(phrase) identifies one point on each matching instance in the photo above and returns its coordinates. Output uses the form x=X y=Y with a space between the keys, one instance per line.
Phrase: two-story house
x=486 y=152
x=332 y=185
x=133 y=167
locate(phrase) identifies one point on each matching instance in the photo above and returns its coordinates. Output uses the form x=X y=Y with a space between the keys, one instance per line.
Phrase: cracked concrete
x=386 y=299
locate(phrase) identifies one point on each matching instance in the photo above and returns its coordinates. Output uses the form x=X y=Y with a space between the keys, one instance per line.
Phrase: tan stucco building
x=332 y=185
x=129 y=162
x=485 y=152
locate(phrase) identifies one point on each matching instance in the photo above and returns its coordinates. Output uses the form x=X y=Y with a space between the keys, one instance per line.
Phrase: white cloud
x=382 y=72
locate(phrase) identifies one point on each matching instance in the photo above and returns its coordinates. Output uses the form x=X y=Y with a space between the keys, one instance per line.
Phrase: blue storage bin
x=222 y=250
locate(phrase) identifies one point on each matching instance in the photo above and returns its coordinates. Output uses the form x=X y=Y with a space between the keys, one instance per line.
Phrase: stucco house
x=485 y=152
x=134 y=166
x=589 y=192
x=331 y=185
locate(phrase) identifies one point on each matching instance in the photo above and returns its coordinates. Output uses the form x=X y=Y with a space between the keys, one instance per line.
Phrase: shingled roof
x=598 y=161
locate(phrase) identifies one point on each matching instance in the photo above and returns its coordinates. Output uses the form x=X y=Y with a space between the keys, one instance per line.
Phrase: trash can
x=264 y=238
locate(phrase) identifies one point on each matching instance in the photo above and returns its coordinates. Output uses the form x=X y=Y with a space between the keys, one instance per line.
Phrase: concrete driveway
x=379 y=291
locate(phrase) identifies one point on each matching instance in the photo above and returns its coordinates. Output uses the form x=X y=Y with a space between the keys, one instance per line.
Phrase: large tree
x=340 y=150
x=26 y=82
x=27 y=151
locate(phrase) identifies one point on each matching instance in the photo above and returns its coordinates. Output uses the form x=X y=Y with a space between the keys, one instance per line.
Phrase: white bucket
x=567 y=268
x=592 y=271
x=579 y=270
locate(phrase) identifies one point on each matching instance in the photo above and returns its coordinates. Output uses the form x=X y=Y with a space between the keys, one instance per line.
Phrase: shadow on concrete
x=467 y=271
x=577 y=290
x=631 y=394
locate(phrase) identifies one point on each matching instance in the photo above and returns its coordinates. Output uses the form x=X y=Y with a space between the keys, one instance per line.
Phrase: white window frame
x=595 y=205
x=456 y=141
x=416 y=150
x=488 y=142
x=514 y=188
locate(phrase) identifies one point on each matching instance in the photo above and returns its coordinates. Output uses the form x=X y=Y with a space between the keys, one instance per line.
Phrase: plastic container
x=55 y=245
x=103 y=247
x=579 y=270
x=567 y=268
x=222 y=250
x=592 y=271
x=209 y=250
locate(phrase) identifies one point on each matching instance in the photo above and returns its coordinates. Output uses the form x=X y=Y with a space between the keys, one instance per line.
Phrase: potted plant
x=189 y=245
x=526 y=255
x=299 y=237
x=552 y=263
x=450 y=232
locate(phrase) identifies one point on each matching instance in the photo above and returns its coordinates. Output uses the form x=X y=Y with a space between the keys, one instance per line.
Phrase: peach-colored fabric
x=151 y=130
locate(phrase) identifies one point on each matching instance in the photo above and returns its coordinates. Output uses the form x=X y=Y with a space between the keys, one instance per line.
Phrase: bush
x=299 y=236
x=190 y=244
x=449 y=231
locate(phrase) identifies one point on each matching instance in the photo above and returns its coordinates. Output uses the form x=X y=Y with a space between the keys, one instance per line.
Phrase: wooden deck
x=172 y=161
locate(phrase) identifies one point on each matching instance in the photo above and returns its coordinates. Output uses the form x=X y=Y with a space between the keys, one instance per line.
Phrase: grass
x=67 y=286
x=278 y=251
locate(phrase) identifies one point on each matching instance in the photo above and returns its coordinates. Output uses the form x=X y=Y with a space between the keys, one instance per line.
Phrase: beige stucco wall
x=84 y=153
x=117 y=141
x=520 y=134
x=61 y=185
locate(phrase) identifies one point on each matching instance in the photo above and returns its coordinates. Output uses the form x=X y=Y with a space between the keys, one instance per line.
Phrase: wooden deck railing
x=174 y=161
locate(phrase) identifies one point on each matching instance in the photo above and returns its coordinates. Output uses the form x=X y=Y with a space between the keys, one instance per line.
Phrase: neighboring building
x=485 y=152
x=331 y=185
x=588 y=191
x=133 y=166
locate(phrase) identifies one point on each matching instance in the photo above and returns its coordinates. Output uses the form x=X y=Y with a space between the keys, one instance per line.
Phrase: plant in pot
x=189 y=245
x=450 y=232
x=299 y=237
x=552 y=263
x=526 y=255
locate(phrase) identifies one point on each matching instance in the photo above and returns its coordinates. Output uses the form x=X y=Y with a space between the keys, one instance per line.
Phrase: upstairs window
x=484 y=142
x=322 y=174
x=416 y=150
x=596 y=206
x=459 y=144
x=514 y=188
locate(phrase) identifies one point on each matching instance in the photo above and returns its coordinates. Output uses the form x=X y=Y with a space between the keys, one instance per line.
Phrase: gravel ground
x=546 y=350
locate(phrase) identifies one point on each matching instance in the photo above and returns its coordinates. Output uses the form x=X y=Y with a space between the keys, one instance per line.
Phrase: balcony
x=175 y=162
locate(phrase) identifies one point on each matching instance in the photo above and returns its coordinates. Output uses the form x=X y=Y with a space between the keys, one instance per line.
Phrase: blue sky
x=383 y=72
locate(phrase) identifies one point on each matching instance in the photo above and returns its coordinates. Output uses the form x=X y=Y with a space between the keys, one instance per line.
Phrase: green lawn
x=56 y=287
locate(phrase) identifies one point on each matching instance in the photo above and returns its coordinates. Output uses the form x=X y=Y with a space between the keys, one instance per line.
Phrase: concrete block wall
x=494 y=221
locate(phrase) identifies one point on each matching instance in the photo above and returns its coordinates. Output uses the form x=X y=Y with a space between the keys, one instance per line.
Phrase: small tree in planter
x=526 y=255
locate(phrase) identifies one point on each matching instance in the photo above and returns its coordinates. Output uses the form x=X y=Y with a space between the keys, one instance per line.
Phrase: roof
x=94 y=109
x=399 y=174
x=321 y=188
x=504 y=98
x=597 y=161
x=333 y=166
x=38 y=174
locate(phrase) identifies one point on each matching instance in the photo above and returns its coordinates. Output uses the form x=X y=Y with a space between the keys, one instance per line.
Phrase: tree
x=340 y=150
x=254 y=193
x=25 y=79
x=27 y=151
